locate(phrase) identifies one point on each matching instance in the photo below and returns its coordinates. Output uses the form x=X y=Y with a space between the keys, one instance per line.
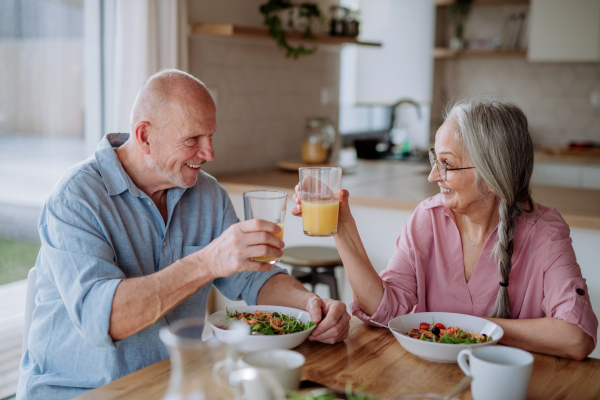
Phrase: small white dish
x=442 y=352
x=262 y=342
x=285 y=365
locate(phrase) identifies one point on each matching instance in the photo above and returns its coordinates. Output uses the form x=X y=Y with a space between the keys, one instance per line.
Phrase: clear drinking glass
x=268 y=205
x=320 y=201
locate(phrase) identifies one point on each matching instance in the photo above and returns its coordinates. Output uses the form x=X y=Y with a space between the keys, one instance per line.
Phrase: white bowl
x=442 y=352
x=263 y=342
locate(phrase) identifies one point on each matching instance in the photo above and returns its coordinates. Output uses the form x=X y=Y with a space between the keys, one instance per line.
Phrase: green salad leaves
x=461 y=337
x=265 y=323
x=438 y=333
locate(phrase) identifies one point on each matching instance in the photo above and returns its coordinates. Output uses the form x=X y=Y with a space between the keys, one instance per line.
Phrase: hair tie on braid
x=504 y=284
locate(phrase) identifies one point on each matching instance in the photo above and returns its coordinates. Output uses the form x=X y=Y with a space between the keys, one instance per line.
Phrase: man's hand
x=335 y=325
x=230 y=253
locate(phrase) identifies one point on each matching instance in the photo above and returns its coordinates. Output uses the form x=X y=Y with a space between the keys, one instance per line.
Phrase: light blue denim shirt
x=97 y=228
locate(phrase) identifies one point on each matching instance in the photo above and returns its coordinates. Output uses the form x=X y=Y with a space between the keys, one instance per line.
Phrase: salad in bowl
x=271 y=327
x=454 y=332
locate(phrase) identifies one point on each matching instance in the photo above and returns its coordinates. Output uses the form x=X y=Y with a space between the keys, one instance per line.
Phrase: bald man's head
x=172 y=124
x=168 y=91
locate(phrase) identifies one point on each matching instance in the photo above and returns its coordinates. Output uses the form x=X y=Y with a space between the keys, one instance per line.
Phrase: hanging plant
x=307 y=12
x=459 y=12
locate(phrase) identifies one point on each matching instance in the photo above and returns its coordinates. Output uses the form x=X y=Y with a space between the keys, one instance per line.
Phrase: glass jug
x=319 y=137
x=208 y=370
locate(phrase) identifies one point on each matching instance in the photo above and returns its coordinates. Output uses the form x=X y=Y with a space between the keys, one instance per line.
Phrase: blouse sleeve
x=399 y=284
x=565 y=291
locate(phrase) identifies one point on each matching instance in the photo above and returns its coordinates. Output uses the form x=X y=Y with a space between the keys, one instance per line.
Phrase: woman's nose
x=434 y=175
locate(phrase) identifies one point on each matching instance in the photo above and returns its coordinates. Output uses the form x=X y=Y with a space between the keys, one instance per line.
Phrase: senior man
x=134 y=237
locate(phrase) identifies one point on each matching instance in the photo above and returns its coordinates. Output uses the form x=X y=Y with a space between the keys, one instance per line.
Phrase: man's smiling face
x=184 y=142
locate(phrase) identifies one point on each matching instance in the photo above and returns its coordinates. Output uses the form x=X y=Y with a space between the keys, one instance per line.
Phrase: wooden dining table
x=372 y=357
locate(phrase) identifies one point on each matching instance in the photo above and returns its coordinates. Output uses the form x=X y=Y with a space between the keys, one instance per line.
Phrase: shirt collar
x=114 y=176
x=436 y=201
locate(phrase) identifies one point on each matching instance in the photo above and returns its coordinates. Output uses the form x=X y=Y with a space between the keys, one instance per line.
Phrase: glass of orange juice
x=268 y=205
x=320 y=202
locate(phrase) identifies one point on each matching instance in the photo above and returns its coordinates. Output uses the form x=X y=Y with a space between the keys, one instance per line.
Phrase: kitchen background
x=263 y=97
x=556 y=96
x=70 y=70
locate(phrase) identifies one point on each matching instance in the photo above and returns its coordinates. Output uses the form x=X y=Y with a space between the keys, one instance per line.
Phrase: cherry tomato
x=441 y=326
x=424 y=326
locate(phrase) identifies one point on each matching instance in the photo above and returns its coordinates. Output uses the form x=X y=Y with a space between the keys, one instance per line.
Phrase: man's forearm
x=139 y=302
x=283 y=290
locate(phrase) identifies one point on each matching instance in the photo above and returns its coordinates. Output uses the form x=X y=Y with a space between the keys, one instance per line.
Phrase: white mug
x=285 y=365
x=498 y=372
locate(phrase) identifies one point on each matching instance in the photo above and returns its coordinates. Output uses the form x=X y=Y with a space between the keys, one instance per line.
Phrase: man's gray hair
x=495 y=136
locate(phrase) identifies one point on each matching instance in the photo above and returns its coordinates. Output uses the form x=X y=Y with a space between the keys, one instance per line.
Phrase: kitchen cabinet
x=564 y=30
x=566 y=175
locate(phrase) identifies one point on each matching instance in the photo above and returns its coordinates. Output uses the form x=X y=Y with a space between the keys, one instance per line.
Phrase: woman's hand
x=297 y=197
x=344 y=210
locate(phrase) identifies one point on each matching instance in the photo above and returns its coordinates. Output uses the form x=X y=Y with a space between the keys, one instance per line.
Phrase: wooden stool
x=321 y=261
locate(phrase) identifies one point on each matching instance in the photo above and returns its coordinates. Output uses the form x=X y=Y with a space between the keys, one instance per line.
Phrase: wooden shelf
x=448 y=2
x=230 y=30
x=439 y=52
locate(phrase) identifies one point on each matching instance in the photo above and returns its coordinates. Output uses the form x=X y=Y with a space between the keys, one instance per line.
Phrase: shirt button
x=164 y=243
x=580 y=292
x=149 y=203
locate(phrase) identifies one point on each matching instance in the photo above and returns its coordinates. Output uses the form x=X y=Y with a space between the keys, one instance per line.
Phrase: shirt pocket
x=187 y=250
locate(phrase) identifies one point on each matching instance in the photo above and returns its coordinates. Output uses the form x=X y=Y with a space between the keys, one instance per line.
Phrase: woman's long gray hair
x=495 y=136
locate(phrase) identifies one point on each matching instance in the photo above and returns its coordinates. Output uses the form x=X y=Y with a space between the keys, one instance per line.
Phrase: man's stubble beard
x=157 y=165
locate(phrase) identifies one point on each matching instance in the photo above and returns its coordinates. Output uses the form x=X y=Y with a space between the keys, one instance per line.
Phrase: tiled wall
x=554 y=96
x=263 y=99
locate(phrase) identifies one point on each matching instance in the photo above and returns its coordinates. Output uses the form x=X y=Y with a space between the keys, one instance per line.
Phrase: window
x=41 y=135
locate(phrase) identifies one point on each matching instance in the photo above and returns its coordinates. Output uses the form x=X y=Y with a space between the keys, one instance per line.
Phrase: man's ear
x=142 y=136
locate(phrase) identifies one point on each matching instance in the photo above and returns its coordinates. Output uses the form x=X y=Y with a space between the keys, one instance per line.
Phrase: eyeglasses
x=441 y=167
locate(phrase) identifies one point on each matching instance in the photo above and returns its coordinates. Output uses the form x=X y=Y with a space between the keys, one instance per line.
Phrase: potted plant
x=459 y=13
x=299 y=16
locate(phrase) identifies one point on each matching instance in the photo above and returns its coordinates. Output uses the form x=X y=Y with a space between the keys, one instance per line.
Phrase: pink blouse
x=426 y=271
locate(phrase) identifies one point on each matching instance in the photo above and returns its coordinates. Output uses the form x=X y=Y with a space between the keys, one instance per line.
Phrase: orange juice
x=319 y=217
x=271 y=260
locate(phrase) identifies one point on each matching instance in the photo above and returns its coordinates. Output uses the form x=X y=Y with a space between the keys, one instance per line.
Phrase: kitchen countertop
x=403 y=185
x=585 y=159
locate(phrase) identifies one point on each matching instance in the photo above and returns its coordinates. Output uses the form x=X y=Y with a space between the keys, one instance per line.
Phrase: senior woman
x=481 y=246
